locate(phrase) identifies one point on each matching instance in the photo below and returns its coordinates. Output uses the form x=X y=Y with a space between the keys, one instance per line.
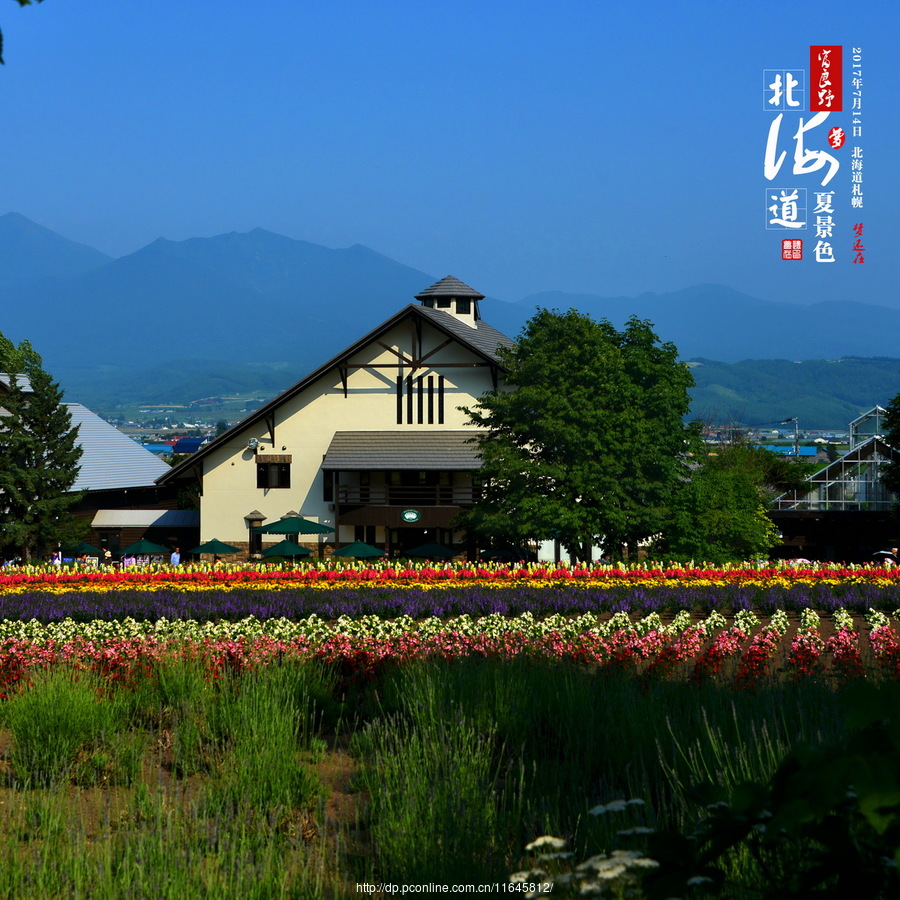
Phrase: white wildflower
x=546 y=842
x=527 y=876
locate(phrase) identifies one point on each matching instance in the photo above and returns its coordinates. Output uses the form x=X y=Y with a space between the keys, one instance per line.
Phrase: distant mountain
x=31 y=254
x=719 y=323
x=179 y=320
x=256 y=297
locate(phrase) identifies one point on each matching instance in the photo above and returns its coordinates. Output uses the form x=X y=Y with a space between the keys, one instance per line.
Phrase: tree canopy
x=39 y=456
x=21 y=3
x=720 y=514
x=585 y=442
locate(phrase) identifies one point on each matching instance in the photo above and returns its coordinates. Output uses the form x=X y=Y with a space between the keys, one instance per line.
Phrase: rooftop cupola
x=450 y=295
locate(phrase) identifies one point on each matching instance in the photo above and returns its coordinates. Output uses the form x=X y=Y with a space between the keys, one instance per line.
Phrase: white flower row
x=316 y=629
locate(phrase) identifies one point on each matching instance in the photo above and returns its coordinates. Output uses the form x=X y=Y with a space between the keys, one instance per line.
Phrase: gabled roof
x=482 y=340
x=869 y=413
x=482 y=337
x=188 y=444
x=111 y=459
x=874 y=449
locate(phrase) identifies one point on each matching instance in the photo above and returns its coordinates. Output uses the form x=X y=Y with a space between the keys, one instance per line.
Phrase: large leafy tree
x=39 y=456
x=720 y=514
x=586 y=441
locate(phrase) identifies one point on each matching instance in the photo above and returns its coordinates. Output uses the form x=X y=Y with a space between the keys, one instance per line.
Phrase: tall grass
x=267 y=717
x=58 y=713
x=463 y=763
x=568 y=739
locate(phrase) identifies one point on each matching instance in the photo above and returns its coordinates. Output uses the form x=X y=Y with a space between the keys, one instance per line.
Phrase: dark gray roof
x=482 y=336
x=449 y=287
x=111 y=459
x=367 y=450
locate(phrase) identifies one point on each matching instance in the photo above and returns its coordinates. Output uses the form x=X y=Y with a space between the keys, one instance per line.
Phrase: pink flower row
x=654 y=655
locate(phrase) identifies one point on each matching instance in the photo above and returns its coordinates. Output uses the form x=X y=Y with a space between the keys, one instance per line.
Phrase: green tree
x=39 y=456
x=720 y=514
x=21 y=3
x=586 y=441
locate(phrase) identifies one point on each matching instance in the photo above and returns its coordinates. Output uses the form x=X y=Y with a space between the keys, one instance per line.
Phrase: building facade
x=372 y=444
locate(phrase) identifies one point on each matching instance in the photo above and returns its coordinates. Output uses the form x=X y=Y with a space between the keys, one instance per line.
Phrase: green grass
x=56 y=715
x=192 y=786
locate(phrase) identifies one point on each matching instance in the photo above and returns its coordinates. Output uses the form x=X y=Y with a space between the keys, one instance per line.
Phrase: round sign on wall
x=410 y=515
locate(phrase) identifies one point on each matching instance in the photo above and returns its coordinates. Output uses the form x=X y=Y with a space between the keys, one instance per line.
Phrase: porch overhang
x=444 y=451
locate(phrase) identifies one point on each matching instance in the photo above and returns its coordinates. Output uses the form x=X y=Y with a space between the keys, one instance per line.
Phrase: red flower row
x=654 y=655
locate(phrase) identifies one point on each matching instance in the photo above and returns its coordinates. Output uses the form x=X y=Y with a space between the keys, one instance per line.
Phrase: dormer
x=451 y=296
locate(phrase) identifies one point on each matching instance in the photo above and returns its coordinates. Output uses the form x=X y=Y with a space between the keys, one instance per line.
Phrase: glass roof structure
x=852 y=482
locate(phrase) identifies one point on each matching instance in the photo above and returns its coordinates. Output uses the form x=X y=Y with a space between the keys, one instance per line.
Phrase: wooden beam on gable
x=270 y=425
x=399 y=354
x=375 y=366
x=417 y=343
x=436 y=350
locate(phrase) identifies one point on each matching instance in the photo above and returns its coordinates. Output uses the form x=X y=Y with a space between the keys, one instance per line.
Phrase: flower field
x=736 y=624
x=208 y=731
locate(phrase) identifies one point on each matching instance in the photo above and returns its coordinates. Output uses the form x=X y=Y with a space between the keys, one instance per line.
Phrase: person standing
x=175 y=558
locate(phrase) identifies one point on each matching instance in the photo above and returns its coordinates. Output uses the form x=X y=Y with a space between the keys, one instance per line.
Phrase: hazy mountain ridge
x=179 y=320
x=240 y=297
x=32 y=254
x=720 y=323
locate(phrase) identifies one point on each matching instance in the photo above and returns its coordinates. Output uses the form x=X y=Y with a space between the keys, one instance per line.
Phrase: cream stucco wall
x=305 y=424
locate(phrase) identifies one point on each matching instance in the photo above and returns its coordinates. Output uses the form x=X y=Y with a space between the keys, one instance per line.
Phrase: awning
x=414 y=450
x=146 y=518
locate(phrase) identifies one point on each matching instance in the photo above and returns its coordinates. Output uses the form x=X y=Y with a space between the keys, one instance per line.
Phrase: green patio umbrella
x=431 y=551
x=359 y=550
x=215 y=546
x=143 y=547
x=286 y=548
x=82 y=548
x=293 y=525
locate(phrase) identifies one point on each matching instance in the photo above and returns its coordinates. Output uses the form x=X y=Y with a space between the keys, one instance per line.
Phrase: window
x=463 y=307
x=273 y=475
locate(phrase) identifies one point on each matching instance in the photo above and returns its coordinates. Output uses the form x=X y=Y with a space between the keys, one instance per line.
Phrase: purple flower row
x=444 y=602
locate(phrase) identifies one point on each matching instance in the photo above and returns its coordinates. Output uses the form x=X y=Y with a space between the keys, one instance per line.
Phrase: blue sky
x=590 y=147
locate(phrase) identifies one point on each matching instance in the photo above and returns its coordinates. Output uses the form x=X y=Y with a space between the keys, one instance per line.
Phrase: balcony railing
x=401 y=495
x=834 y=505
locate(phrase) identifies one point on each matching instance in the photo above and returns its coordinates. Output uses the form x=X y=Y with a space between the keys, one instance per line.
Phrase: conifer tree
x=39 y=456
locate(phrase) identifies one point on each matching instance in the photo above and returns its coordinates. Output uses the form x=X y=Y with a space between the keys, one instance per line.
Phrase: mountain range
x=266 y=307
